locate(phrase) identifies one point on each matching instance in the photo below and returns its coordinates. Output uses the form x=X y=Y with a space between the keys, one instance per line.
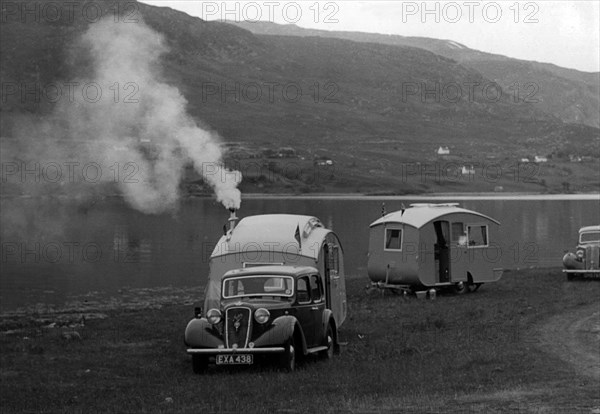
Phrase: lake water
x=51 y=250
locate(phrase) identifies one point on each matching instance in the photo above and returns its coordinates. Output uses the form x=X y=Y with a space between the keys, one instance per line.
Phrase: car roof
x=272 y=270
x=589 y=228
x=417 y=215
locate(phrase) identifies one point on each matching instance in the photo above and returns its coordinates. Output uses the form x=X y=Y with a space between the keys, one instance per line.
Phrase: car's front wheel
x=199 y=364
x=288 y=359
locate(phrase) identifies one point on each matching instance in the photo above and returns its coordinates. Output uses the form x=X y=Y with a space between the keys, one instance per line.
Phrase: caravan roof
x=277 y=232
x=417 y=215
x=589 y=228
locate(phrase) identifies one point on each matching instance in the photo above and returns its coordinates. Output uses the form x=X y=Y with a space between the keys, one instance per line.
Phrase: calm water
x=51 y=250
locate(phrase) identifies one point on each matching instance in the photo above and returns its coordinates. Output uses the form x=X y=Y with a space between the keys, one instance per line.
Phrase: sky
x=566 y=33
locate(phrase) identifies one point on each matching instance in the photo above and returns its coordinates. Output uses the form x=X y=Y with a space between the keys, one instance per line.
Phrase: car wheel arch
x=295 y=331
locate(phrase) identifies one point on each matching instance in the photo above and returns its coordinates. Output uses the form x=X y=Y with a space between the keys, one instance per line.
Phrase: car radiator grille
x=237 y=327
x=592 y=254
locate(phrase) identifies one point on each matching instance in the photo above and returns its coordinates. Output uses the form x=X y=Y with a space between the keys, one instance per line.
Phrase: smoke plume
x=139 y=124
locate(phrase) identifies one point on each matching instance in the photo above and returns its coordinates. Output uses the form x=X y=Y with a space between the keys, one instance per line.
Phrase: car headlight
x=580 y=254
x=213 y=316
x=261 y=315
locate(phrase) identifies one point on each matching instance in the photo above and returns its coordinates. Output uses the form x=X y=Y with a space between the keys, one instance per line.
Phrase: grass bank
x=478 y=352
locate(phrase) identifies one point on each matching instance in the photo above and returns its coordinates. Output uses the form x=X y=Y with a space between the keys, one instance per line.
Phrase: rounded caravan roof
x=417 y=215
x=274 y=232
x=270 y=270
x=589 y=228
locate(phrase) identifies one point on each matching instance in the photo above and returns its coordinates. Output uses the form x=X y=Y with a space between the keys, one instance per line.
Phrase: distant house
x=269 y=153
x=539 y=158
x=468 y=170
x=443 y=151
x=323 y=161
x=287 y=152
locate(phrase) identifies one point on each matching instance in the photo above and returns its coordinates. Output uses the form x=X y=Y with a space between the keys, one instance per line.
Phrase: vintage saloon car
x=264 y=310
x=586 y=259
x=276 y=291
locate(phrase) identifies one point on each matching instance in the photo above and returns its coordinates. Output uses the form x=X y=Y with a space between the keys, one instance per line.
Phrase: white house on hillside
x=443 y=151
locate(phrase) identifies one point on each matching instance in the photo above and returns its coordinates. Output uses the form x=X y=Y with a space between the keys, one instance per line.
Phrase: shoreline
x=97 y=303
x=366 y=196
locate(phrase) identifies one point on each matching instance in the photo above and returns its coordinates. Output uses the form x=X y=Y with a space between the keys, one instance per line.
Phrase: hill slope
x=568 y=94
x=365 y=105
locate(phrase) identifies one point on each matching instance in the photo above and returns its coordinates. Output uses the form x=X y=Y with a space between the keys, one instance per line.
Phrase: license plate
x=235 y=359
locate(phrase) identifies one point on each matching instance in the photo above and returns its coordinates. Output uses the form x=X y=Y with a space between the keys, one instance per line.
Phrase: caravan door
x=442 y=251
x=458 y=252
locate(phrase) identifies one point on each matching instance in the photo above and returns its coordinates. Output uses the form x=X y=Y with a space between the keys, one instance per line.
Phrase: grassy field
x=479 y=352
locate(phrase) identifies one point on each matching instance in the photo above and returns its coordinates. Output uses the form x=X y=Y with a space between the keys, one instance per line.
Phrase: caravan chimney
x=232 y=219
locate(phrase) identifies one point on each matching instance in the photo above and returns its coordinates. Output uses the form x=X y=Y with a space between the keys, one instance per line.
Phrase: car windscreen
x=258 y=285
x=589 y=237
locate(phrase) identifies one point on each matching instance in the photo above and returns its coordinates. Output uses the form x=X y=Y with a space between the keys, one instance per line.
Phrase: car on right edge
x=586 y=259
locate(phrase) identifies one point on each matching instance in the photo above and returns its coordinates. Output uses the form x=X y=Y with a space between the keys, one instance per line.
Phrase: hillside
x=571 y=95
x=352 y=102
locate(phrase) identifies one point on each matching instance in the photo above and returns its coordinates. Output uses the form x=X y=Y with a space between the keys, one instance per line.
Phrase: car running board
x=316 y=349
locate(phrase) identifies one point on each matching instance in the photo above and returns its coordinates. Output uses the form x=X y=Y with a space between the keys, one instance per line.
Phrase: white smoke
x=128 y=54
x=136 y=109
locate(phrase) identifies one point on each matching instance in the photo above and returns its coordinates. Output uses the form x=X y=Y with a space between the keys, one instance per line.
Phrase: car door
x=317 y=295
x=304 y=309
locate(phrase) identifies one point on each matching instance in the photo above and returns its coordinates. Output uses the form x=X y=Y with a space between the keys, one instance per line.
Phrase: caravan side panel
x=331 y=262
x=482 y=260
x=390 y=259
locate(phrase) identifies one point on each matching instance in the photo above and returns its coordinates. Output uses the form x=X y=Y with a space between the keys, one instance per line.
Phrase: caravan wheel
x=461 y=288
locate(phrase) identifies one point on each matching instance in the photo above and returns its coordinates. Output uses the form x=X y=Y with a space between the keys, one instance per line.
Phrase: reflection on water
x=130 y=249
x=109 y=246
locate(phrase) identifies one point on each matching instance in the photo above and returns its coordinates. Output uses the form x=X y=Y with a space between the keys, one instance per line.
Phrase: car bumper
x=216 y=351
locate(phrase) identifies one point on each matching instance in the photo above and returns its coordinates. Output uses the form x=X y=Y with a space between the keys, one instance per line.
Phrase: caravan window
x=477 y=236
x=334 y=259
x=393 y=239
x=458 y=234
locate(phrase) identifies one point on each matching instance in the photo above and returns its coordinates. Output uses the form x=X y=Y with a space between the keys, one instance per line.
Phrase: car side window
x=302 y=292
x=316 y=288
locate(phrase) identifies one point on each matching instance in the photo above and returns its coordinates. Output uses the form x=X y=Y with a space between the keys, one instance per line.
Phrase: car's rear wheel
x=330 y=343
x=288 y=359
x=199 y=364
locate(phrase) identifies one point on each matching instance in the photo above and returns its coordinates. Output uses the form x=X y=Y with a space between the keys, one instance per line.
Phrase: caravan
x=433 y=245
